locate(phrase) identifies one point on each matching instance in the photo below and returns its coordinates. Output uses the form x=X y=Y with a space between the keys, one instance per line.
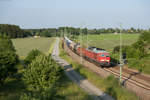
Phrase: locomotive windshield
x=104 y=55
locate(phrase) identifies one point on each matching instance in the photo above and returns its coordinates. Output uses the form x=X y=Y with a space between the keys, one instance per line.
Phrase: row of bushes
x=13 y=31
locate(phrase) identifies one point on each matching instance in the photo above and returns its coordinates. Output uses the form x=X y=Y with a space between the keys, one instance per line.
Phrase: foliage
x=42 y=76
x=72 y=31
x=6 y=43
x=130 y=51
x=31 y=56
x=138 y=53
x=15 y=89
x=112 y=83
x=13 y=31
x=45 y=33
x=137 y=50
x=8 y=59
x=143 y=44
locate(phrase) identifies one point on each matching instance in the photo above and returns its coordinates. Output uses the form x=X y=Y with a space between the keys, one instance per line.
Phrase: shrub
x=143 y=44
x=117 y=48
x=42 y=77
x=8 y=59
x=112 y=83
x=130 y=51
x=31 y=56
x=6 y=44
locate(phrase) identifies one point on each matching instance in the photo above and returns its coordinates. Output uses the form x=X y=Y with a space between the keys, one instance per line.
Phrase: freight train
x=96 y=55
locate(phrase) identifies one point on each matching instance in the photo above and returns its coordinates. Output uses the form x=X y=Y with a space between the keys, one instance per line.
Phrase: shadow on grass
x=12 y=88
x=78 y=78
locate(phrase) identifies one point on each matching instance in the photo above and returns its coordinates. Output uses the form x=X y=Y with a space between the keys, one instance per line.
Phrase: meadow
x=24 y=45
x=107 y=41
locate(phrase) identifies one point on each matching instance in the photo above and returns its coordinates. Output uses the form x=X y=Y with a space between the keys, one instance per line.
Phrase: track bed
x=132 y=80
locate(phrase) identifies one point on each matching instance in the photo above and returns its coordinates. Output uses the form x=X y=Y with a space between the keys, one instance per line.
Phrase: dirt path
x=74 y=76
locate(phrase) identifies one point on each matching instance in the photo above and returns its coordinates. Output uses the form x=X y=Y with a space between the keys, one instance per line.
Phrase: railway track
x=140 y=84
x=130 y=78
x=127 y=77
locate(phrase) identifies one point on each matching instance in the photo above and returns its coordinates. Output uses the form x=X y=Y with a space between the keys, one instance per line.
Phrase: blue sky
x=76 y=13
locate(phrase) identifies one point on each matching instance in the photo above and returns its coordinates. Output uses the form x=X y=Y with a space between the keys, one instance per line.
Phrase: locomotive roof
x=68 y=39
x=96 y=50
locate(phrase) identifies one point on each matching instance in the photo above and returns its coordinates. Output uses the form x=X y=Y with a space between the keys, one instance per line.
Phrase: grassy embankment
x=14 y=86
x=109 y=85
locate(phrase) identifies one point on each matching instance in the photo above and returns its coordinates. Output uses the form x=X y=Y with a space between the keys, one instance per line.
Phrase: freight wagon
x=97 y=55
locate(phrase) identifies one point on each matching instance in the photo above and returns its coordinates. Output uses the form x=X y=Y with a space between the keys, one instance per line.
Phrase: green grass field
x=24 y=45
x=108 y=41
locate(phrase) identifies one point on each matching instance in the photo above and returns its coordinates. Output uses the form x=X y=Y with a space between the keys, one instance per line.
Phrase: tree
x=42 y=76
x=45 y=33
x=8 y=59
x=13 y=31
x=143 y=44
x=6 y=43
x=31 y=56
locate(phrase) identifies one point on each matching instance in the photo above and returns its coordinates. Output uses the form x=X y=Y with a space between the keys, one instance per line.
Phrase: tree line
x=61 y=31
x=14 y=31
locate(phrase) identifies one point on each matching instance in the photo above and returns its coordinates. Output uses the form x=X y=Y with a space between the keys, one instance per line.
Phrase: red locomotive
x=97 y=55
